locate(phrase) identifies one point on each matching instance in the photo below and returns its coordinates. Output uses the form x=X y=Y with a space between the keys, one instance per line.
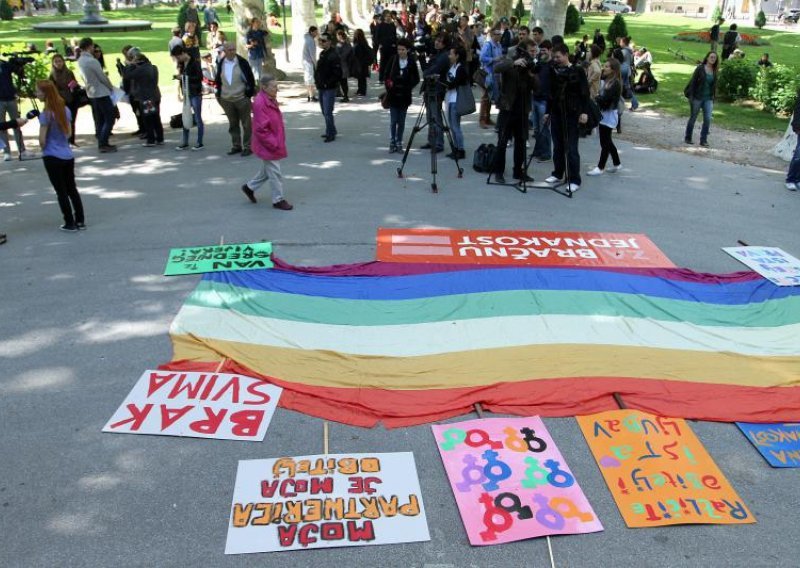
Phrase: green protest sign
x=217 y=258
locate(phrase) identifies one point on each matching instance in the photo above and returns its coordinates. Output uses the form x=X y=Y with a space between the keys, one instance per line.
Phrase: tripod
x=430 y=115
x=556 y=187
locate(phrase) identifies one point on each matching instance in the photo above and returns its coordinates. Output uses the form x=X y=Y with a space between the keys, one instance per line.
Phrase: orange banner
x=658 y=471
x=522 y=248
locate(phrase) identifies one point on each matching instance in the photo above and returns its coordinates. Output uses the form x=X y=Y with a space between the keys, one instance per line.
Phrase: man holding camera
x=567 y=107
x=518 y=82
x=8 y=105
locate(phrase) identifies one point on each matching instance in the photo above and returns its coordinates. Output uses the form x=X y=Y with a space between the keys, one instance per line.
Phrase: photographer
x=518 y=83
x=567 y=107
x=8 y=105
x=435 y=75
x=142 y=77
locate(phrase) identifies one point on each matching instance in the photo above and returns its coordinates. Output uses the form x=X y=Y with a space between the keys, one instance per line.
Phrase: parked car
x=614 y=6
x=791 y=16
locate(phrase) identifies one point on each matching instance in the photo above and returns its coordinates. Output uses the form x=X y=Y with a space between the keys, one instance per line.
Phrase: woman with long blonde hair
x=55 y=130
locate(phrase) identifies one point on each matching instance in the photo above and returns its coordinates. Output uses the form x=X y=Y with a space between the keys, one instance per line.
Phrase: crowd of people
x=546 y=96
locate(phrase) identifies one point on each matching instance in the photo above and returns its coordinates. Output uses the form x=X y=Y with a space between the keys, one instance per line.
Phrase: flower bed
x=705 y=37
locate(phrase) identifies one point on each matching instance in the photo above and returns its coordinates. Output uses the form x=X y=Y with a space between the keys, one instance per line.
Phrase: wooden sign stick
x=325 y=438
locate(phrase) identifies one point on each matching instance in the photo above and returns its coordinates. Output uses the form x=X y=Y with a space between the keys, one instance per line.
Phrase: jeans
x=541 y=132
x=565 y=141
x=327 y=98
x=793 y=175
x=12 y=109
x=397 y=124
x=455 y=126
x=103 y=114
x=696 y=105
x=626 y=85
x=239 y=113
x=270 y=170
x=607 y=148
x=62 y=176
x=256 y=65
x=197 y=109
x=435 y=131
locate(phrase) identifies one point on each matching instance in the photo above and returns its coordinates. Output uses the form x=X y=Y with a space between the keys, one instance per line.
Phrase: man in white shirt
x=236 y=85
x=98 y=89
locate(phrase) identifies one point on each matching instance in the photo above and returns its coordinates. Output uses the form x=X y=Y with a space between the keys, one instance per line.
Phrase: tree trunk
x=302 y=18
x=243 y=12
x=29 y=7
x=550 y=15
x=500 y=9
x=785 y=148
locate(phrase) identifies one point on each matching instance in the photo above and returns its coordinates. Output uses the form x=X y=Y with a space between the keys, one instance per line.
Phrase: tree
x=6 y=13
x=500 y=9
x=573 y=20
x=550 y=15
x=105 y=5
x=61 y=7
x=182 y=15
x=274 y=7
x=716 y=14
x=519 y=10
x=761 y=19
x=617 y=28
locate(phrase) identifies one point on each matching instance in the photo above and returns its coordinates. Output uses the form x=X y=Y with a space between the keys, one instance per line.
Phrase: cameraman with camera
x=567 y=107
x=8 y=104
x=518 y=82
x=434 y=86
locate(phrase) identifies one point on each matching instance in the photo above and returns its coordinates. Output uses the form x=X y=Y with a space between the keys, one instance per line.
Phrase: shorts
x=308 y=73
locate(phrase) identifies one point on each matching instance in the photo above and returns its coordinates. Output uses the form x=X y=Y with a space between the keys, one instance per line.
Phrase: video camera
x=17 y=61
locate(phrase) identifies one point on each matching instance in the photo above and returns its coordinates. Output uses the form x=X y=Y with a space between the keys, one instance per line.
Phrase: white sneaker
x=552 y=179
x=573 y=187
x=595 y=172
x=791 y=186
x=613 y=168
x=8 y=157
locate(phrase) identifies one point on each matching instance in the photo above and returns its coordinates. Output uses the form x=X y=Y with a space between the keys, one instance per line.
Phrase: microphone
x=32 y=114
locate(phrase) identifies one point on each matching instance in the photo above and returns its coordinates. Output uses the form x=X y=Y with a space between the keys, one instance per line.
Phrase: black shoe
x=69 y=228
x=107 y=149
x=246 y=152
x=249 y=193
x=462 y=155
x=80 y=226
x=314 y=100
x=234 y=150
x=704 y=144
x=452 y=155
x=499 y=178
x=425 y=146
x=687 y=141
x=523 y=177
x=329 y=138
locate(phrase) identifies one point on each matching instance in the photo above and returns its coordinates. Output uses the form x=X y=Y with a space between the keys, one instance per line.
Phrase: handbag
x=465 y=100
x=79 y=97
x=480 y=77
x=594 y=116
x=384 y=98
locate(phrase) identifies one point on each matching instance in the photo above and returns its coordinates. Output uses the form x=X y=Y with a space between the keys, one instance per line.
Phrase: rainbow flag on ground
x=412 y=343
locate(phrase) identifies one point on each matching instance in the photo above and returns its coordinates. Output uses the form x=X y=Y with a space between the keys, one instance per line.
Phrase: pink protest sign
x=511 y=482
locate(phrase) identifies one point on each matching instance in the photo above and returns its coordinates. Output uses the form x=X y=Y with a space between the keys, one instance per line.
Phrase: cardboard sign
x=197 y=405
x=772 y=263
x=522 y=248
x=218 y=258
x=326 y=501
x=778 y=443
x=658 y=471
x=511 y=482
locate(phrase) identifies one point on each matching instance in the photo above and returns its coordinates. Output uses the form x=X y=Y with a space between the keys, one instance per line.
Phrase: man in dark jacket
x=235 y=86
x=385 y=40
x=327 y=76
x=142 y=79
x=793 y=175
x=8 y=105
x=518 y=83
x=567 y=107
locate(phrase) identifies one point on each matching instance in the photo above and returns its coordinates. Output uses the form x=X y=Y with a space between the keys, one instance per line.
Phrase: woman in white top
x=456 y=76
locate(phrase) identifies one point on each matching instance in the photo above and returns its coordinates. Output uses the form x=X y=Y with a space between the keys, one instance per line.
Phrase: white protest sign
x=325 y=501
x=772 y=263
x=197 y=405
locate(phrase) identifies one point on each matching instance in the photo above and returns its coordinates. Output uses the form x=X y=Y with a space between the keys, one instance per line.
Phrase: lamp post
x=285 y=45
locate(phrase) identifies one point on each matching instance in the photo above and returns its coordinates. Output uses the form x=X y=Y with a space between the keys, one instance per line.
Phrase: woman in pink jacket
x=268 y=143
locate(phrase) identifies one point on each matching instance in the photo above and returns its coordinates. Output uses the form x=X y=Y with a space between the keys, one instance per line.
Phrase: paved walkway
x=83 y=314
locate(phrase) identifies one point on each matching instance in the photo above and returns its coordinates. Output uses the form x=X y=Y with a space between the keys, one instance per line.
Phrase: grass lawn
x=152 y=42
x=655 y=32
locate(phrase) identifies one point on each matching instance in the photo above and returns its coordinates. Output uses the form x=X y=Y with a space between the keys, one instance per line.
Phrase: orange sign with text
x=658 y=471
x=523 y=248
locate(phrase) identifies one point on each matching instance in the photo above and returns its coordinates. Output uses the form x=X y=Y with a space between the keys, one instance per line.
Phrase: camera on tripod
x=16 y=62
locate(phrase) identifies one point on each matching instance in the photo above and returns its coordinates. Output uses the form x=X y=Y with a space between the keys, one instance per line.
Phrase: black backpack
x=483 y=158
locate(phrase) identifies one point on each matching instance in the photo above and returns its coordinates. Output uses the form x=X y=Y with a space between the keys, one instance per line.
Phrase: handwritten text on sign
x=218 y=258
x=778 y=443
x=511 y=482
x=772 y=263
x=197 y=405
x=658 y=471
x=326 y=501
x=519 y=248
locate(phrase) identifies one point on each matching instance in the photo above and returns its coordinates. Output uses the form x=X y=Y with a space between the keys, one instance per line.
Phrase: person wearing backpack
x=327 y=76
x=730 y=41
